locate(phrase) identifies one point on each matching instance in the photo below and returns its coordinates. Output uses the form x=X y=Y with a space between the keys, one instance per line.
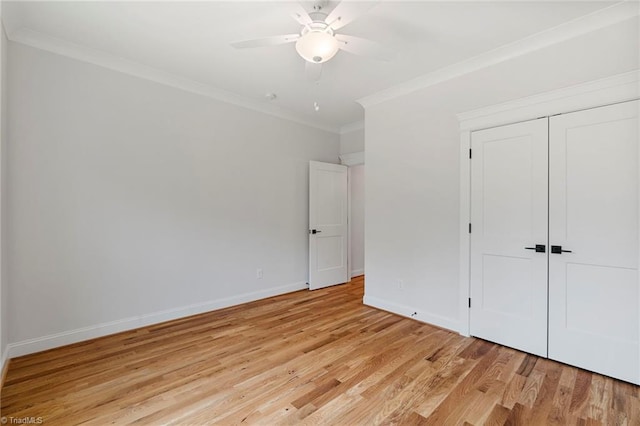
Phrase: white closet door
x=593 y=199
x=508 y=215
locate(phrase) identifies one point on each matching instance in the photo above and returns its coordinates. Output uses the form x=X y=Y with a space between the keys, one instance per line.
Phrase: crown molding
x=604 y=91
x=566 y=31
x=352 y=127
x=103 y=59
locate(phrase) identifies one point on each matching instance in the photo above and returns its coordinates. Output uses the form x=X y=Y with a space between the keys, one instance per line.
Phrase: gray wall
x=4 y=286
x=412 y=160
x=131 y=202
x=351 y=142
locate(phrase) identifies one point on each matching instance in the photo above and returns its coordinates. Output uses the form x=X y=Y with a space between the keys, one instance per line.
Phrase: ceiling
x=191 y=40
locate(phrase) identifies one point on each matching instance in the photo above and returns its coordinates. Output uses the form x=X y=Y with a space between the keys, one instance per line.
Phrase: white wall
x=131 y=202
x=4 y=305
x=412 y=160
x=351 y=142
x=356 y=183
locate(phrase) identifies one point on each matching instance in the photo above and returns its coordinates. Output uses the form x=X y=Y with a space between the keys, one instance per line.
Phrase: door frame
x=610 y=90
x=349 y=160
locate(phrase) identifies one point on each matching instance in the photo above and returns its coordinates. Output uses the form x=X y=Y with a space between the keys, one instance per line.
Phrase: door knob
x=558 y=250
x=314 y=231
x=539 y=248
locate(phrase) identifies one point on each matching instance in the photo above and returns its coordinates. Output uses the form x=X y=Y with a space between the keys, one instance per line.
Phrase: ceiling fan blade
x=266 y=41
x=300 y=14
x=347 y=11
x=312 y=71
x=364 y=47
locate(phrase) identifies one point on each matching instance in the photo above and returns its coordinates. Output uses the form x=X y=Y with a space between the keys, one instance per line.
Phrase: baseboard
x=413 y=313
x=43 y=343
x=357 y=272
x=5 y=366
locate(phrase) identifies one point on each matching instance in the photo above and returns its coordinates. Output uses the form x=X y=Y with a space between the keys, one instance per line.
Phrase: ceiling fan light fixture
x=317 y=46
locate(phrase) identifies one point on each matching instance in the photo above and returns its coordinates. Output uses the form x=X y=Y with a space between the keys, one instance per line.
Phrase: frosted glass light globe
x=317 y=46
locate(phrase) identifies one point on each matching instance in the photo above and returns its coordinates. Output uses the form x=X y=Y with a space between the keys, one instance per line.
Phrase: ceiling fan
x=318 y=40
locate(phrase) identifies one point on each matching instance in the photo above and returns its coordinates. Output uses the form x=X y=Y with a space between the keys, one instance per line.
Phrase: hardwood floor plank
x=476 y=350
x=391 y=373
x=544 y=400
x=558 y=415
x=519 y=415
x=513 y=390
x=309 y=357
x=321 y=388
x=464 y=388
x=581 y=388
x=600 y=392
x=498 y=416
x=633 y=410
x=531 y=388
x=527 y=365
x=428 y=390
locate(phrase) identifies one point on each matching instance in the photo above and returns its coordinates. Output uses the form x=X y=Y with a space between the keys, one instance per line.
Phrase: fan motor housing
x=317 y=26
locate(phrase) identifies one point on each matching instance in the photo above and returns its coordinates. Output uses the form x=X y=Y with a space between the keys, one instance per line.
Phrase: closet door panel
x=509 y=214
x=593 y=213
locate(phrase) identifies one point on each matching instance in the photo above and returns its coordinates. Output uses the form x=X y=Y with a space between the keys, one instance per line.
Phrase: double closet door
x=554 y=242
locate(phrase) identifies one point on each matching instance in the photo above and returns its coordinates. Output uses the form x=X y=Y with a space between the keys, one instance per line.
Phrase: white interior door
x=509 y=218
x=328 y=228
x=593 y=198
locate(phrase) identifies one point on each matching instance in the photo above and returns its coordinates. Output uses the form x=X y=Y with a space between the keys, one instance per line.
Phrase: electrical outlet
x=259 y=273
x=400 y=285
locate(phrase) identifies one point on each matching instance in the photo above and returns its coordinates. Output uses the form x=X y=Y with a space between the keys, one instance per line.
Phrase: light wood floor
x=308 y=357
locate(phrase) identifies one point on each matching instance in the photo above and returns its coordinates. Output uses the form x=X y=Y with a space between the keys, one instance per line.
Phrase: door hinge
x=469 y=228
x=469 y=153
x=469 y=302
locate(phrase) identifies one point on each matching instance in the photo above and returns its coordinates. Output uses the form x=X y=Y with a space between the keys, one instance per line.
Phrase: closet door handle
x=558 y=250
x=539 y=248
